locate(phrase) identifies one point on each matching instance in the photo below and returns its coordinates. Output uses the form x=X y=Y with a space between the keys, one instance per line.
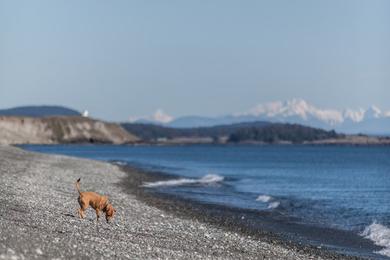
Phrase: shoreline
x=262 y=225
x=328 y=142
x=39 y=219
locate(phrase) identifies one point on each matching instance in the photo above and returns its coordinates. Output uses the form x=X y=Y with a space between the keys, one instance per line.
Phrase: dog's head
x=110 y=211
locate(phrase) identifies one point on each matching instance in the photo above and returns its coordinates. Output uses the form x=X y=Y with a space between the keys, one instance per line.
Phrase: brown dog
x=96 y=201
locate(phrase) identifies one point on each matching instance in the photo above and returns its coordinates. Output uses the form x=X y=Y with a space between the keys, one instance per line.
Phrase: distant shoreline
x=83 y=130
x=353 y=140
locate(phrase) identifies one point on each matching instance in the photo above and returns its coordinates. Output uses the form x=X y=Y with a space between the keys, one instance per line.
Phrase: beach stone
x=38 y=218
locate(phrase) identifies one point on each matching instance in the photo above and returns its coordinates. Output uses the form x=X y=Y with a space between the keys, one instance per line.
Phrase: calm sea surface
x=343 y=187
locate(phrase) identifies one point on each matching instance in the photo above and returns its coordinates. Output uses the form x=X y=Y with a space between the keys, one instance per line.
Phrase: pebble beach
x=38 y=218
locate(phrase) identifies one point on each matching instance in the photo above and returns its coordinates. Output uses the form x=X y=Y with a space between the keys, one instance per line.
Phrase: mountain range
x=367 y=121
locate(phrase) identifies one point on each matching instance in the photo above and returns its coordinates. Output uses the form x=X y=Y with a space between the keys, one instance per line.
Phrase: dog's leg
x=83 y=207
x=81 y=213
x=97 y=214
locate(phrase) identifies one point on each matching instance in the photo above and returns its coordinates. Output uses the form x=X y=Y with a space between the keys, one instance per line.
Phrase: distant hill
x=39 y=111
x=151 y=132
x=276 y=133
x=199 y=121
x=264 y=132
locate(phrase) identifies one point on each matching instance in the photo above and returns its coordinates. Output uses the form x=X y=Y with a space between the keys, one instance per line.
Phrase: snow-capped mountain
x=369 y=121
x=159 y=117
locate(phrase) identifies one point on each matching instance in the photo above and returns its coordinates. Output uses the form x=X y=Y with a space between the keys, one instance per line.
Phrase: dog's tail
x=78 y=185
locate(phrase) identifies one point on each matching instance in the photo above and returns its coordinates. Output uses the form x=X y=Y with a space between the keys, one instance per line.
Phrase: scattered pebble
x=39 y=202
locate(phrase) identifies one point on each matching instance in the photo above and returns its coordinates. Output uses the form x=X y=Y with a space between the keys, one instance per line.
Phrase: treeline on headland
x=275 y=133
x=256 y=132
x=151 y=132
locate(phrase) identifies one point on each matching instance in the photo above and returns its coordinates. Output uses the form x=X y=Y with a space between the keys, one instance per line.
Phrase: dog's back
x=90 y=198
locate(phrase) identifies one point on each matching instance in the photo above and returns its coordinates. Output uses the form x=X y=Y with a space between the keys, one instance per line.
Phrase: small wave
x=380 y=235
x=273 y=204
x=207 y=179
x=120 y=163
x=264 y=198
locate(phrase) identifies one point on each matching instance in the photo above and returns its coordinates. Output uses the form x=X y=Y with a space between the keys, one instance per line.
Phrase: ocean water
x=340 y=187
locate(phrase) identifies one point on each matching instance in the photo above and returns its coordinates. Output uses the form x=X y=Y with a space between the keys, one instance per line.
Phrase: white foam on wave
x=207 y=179
x=264 y=198
x=380 y=235
x=120 y=163
x=273 y=204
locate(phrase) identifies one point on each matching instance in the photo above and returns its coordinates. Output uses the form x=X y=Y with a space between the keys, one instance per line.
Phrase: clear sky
x=204 y=57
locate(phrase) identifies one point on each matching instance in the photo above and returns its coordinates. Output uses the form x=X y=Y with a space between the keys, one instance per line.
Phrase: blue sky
x=124 y=58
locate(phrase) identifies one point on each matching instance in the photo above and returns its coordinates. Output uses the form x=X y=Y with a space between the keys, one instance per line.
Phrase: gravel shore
x=38 y=218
